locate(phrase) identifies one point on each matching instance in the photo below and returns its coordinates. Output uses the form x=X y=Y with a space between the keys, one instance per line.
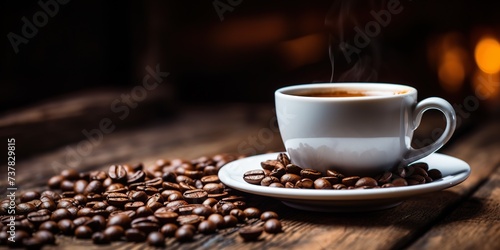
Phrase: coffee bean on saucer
x=283 y=158
x=272 y=164
x=293 y=169
x=268 y=180
x=310 y=173
x=305 y=183
x=435 y=174
x=254 y=176
x=350 y=181
x=322 y=183
x=366 y=181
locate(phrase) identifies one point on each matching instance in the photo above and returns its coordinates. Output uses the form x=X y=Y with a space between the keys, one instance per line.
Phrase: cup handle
x=451 y=121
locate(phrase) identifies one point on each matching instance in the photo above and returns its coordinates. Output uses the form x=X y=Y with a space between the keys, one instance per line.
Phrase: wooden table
x=466 y=216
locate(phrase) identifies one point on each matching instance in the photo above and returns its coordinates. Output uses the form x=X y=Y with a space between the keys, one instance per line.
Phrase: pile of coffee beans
x=176 y=198
x=282 y=173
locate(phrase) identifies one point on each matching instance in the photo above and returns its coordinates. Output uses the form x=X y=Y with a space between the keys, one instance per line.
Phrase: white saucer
x=454 y=172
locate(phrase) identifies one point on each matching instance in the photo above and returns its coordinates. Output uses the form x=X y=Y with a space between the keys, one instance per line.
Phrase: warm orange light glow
x=451 y=70
x=303 y=50
x=487 y=55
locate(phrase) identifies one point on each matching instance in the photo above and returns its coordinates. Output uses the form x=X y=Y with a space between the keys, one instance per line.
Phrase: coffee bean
x=66 y=226
x=418 y=178
x=422 y=165
x=252 y=212
x=217 y=219
x=70 y=174
x=322 y=183
x=196 y=196
x=81 y=221
x=114 y=232
x=94 y=186
x=184 y=234
x=435 y=174
x=121 y=220
x=83 y=232
x=134 y=235
x=213 y=188
x=168 y=230
x=272 y=164
x=283 y=158
x=117 y=199
x=350 y=181
x=289 y=185
x=37 y=217
x=268 y=215
x=278 y=172
x=117 y=173
x=399 y=182
x=388 y=185
x=230 y=221
x=67 y=185
x=60 y=214
x=18 y=238
x=207 y=227
x=272 y=226
x=268 y=180
x=100 y=238
x=293 y=178
x=334 y=173
x=210 y=179
x=250 y=233
x=293 y=169
x=166 y=216
x=385 y=177
x=277 y=185
x=133 y=205
x=156 y=239
x=50 y=226
x=310 y=174
x=25 y=208
x=47 y=237
x=254 y=176
x=138 y=176
x=144 y=211
x=366 y=181
x=339 y=186
x=29 y=196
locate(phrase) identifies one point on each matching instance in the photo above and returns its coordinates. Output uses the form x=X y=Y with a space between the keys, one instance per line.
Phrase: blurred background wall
x=219 y=51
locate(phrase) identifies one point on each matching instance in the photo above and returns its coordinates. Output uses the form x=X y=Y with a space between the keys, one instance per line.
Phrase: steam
x=341 y=19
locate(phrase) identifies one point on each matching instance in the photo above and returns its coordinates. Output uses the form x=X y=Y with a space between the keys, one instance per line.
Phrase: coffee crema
x=348 y=93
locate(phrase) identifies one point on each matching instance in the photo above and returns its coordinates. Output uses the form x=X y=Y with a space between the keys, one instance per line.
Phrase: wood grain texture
x=420 y=222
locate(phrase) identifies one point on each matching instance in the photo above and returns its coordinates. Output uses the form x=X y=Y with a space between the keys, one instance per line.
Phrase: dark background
x=257 y=47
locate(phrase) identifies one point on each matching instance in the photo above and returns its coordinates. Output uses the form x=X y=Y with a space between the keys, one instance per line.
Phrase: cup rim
x=287 y=90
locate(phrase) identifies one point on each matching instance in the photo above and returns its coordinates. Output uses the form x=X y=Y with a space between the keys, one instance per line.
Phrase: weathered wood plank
x=475 y=224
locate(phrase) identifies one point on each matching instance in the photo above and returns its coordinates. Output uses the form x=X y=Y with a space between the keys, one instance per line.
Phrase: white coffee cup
x=367 y=132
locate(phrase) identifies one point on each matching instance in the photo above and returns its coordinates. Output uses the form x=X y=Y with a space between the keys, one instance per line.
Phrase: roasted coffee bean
x=47 y=237
x=252 y=212
x=293 y=178
x=184 y=234
x=144 y=211
x=166 y=216
x=387 y=185
x=366 y=181
x=121 y=220
x=213 y=188
x=385 y=177
x=334 y=173
x=49 y=226
x=277 y=185
x=210 y=202
x=66 y=226
x=138 y=176
x=207 y=227
x=185 y=187
x=37 y=217
x=146 y=226
x=293 y=169
x=230 y=221
x=67 y=185
x=29 y=196
x=339 y=186
x=190 y=219
x=174 y=205
x=156 y=239
x=168 y=230
x=114 y=233
x=25 y=208
x=55 y=181
x=268 y=180
x=133 y=205
x=18 y=238
x=412 y=182
x=272 y=164
x=210 y=179
x=278 y=172
x=81 y=221
x=156 y=182
x=138 y=195
x=239 y=214
x=202 y=211
x=283 y=158
x=272 y=226
x=350 y=181
x=94 y=186
x=117 y=173
x=435 y=174
x=117 y=199
x=83 y=232
x=134 y=235
x=322 y=183
x=100 y=238
x=188 y=209
x=268 y=215
x=60 y=214
x=253 y=176
x=289 y=185
x=310 y=174
x=217 y=219
x=399 y=182
x=250 y=233
x=196 y=196
x=331 y=179
x=70 y=174
x=418 y=178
